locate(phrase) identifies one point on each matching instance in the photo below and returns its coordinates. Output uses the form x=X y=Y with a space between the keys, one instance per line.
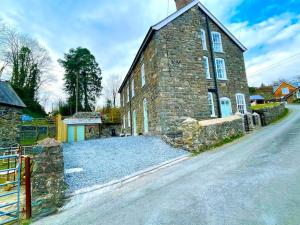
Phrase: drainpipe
x=214 y=65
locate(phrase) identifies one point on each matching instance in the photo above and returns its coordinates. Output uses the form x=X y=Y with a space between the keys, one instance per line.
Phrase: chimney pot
x=181 y=3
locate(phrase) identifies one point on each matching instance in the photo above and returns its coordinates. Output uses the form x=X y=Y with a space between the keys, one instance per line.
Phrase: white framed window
x=211 y=104
x=203 y=39
x=221 y=69
x=132 y=88
x=298 y=94
x=206 y=67
x=217 y=41
x=128 y=94
x=121 y=99
x=143 y=74
x=124 y=121
x=241 y=103
x=128 y=116
x=285 y=91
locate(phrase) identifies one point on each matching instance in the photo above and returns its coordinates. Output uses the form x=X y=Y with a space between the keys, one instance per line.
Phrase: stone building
x=189 y=65
x=10 y=115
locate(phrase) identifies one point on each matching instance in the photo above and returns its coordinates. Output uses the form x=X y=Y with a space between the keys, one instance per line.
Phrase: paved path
x=254 y=181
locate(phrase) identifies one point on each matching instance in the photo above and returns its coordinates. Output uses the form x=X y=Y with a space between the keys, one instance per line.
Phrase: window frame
x=132 y=88
x=203 y=39
x=211 y=104
x=298 y=94
x=217 y=46
x=143 y=75
x=128 y=119
x=206 y=67
x=238 y=103
x=124 y=121
x=128 y=94
x=286 y=89
x=224 y=77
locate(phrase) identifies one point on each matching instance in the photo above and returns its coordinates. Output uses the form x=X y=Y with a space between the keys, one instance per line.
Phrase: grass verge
x=282 y=116
x=218 y=144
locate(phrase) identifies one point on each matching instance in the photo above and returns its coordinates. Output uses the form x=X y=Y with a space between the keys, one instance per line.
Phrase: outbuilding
x=10 y=115
x=83 y=126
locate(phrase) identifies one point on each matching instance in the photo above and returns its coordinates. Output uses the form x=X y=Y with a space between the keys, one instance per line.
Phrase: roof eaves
x=141 y=49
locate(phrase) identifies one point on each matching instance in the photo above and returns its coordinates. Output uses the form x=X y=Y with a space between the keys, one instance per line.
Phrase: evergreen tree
x=80 y=62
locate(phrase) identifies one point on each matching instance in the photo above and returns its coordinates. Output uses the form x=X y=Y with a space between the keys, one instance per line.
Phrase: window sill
x=213 y=116
x=222 y=79
x=222 y=52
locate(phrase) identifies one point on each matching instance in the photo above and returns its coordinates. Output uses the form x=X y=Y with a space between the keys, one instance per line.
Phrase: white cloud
x=272 y=54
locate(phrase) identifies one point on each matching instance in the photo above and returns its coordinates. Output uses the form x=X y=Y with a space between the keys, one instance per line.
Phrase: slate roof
x=256 y=97
x=84 y=118
x=169 y=19
x=8 y=96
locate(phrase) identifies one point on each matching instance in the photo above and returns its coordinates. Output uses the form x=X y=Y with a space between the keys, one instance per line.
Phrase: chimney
x=181 y=3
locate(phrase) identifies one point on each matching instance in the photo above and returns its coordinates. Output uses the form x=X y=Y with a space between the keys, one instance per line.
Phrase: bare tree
x=27 y=61
x=111 y=88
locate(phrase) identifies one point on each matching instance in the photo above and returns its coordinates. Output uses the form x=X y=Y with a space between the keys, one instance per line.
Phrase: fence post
x=28 y=187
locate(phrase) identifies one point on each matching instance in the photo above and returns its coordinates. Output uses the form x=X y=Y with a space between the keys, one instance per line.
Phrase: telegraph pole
x=77 y=84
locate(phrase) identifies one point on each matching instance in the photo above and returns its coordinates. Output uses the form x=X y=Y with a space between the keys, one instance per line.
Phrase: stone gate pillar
x=48 y=185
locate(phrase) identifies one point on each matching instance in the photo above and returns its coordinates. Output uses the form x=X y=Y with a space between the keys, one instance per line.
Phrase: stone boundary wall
x=199 y=136
x=10 y=124
x=48 y=185
x=269 y=115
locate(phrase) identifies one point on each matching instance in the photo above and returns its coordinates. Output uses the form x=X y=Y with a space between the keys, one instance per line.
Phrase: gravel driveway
x=254 y=181
x=100 y=161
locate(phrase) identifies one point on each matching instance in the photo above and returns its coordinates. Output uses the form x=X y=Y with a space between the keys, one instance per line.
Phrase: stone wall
x=48 y=186
x=176 y=85
x=107 y=129
x=199 y=136
x=10 y=124
x=270 y=114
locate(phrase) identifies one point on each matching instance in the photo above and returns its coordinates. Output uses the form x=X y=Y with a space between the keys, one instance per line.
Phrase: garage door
x=71 y=134
x=80 y=133
x=75 y=133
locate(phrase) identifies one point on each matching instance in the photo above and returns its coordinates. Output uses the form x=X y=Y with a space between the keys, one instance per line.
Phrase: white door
x=134 y=124
x=226 y=108
x=146 y=129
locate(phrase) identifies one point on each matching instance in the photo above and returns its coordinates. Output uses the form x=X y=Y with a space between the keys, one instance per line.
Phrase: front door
x=226 y=108
x=134 y=124
x=145 y=104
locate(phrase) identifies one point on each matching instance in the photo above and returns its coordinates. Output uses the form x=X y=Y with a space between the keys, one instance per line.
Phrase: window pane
x=203 y=39
x=132 y=88
x=143 y=74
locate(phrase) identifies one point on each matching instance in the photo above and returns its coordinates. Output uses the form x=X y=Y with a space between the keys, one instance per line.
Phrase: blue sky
x=113 y=31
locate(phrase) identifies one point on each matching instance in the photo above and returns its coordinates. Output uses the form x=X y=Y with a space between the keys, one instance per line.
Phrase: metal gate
x=10 y=185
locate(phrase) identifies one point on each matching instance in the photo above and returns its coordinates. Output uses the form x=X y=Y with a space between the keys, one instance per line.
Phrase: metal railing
x=10 y=199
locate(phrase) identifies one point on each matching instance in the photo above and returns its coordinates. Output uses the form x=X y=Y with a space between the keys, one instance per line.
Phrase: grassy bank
x=263 y=106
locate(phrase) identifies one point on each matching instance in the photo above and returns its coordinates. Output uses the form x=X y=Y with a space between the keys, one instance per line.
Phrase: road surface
x=253 y=181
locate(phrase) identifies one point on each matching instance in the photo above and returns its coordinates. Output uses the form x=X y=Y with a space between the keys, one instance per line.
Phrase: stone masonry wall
x=199 y=136
x=48 y=186
x=149 y=92
x=183 y=86
x=10 y=124
x=271 y=114
x=176 y=86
